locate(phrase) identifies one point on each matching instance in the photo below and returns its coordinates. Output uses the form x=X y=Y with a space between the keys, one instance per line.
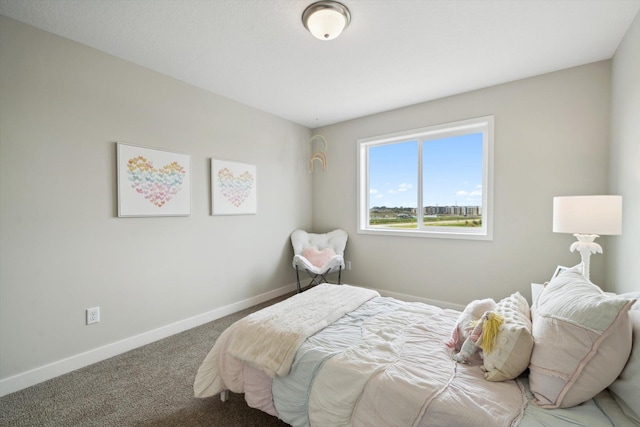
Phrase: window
x=433 y=182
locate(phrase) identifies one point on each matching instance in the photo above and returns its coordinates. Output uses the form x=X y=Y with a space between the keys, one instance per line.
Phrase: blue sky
x=452 y=169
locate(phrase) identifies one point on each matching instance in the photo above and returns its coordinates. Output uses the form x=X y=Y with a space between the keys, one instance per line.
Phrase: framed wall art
x=153 y=182
x=233 y=188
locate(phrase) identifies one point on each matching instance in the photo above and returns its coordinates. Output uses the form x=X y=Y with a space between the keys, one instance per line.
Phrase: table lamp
x=587 y=217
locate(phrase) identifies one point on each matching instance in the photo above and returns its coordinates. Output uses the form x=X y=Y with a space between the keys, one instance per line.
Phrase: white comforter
x=386 y=364
x=268 y=339
x=401 y=374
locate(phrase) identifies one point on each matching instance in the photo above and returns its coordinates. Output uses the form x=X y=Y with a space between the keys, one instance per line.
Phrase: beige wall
x=624 y=255
x=551 y=139
x=63 y=249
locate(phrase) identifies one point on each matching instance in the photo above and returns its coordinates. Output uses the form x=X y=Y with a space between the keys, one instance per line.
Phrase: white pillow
x=582 y=341
x=626 y=389
x=514 y=341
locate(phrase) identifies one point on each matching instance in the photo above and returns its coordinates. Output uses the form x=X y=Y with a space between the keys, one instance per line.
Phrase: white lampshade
x=326 y=19
x=588 y=215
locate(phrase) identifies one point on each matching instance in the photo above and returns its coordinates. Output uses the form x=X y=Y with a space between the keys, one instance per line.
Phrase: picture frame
x=559 y=269
x=152 y=182
x=233 y=188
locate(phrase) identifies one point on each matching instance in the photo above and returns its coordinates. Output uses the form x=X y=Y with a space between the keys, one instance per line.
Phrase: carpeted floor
x=148 y=386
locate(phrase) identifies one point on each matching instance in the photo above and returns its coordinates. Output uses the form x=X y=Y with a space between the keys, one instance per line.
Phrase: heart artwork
x=235 y=189
x=156 y=185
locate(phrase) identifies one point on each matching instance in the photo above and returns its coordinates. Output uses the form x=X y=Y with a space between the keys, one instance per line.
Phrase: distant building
x=402 y=212
x=453 y=210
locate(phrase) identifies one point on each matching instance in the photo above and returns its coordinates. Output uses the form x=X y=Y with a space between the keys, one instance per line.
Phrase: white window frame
x=482 y=125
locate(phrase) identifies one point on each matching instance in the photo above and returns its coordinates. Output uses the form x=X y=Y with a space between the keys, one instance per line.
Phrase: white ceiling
x=395 y=52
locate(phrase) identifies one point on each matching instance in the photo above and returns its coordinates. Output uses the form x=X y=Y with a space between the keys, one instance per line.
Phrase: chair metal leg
x=315 y=278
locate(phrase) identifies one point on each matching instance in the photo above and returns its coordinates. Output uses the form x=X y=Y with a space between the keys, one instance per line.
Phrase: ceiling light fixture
x=326 y=19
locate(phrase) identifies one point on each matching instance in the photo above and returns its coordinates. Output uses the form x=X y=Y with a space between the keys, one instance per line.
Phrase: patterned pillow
x=514 y=342
x=582 y=341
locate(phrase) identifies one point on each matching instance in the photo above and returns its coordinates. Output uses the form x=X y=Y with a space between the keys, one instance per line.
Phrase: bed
x=344 y=355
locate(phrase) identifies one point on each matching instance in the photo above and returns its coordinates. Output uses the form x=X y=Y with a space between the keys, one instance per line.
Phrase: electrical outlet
x=93 y=315
x=348 y=265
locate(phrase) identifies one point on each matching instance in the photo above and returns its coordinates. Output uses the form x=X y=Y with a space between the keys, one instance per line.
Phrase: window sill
x=443 y=234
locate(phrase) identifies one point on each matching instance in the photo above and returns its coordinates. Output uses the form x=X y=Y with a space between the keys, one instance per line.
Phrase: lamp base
x=586 y=246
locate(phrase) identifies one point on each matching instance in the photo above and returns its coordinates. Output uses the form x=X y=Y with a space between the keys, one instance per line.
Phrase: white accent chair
x=318 y=254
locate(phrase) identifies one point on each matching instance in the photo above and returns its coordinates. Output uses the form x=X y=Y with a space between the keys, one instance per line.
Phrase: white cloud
x=404 y=187
x=474 y=193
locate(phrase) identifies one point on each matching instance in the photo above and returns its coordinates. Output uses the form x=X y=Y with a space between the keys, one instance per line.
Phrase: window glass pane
x=452 y=181
x=393 y=180
x=434 y=182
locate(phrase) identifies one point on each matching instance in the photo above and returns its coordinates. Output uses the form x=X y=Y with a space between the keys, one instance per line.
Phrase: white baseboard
x=60 y=367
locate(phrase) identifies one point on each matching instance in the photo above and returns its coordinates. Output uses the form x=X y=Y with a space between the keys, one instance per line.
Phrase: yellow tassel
x=490 y=331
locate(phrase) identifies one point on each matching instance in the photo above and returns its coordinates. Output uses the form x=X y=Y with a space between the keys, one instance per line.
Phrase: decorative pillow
x=626 y=389
x=514 y=342
x=318 y=258
x=582 y=341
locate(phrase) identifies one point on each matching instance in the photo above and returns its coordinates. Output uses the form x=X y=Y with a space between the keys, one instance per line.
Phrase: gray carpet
x=148 y=386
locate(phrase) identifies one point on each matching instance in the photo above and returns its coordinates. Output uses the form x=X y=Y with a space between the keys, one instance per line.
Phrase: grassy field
x=441 y=221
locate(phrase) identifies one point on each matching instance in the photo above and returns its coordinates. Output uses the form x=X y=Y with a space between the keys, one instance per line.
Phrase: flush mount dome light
x=326 y=19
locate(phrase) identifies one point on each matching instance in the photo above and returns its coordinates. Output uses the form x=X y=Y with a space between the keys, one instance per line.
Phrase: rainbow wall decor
x=152 y=182
x=233 y=187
